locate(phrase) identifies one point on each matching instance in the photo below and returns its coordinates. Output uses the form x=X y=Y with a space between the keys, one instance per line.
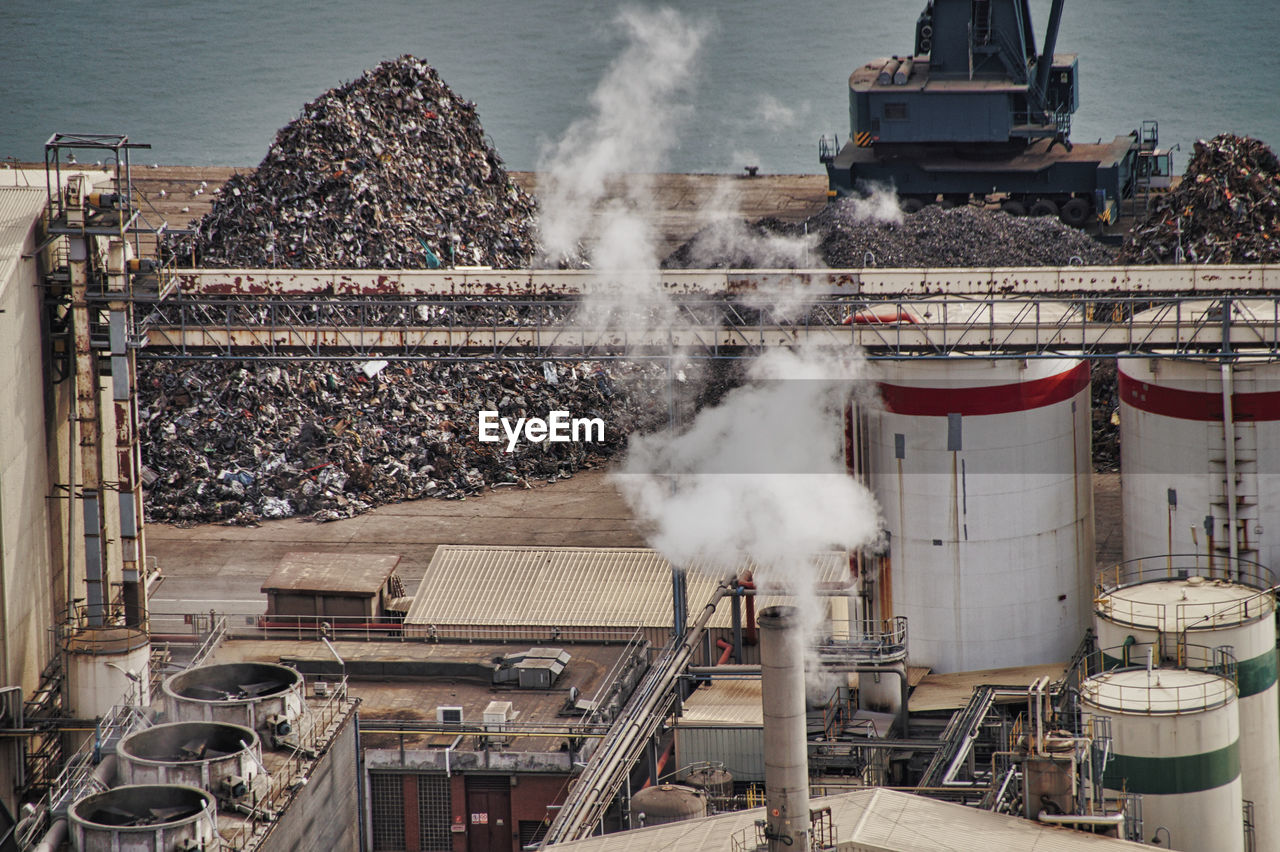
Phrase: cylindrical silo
x=982 y=470
x=786 y=749
x=1200 y=457
x=1175 y=739
x=667 y=803
x=107 y=666
x=1165 y=602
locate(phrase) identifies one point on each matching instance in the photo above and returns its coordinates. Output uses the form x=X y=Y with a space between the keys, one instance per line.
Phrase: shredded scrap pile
x=1225 y=210
x=330 y=440
x=388 y=171
x=963 y=236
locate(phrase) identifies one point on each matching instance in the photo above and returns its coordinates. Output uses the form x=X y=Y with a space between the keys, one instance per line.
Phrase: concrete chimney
x=786 y=756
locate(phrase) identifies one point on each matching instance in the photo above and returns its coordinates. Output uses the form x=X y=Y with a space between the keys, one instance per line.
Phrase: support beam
x=806 y=283
x=84 y=315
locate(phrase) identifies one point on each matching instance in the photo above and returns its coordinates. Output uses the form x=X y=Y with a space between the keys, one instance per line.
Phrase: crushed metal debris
x=845 y=236
x=1225 y=210
x=391 y=170
x=329 y=440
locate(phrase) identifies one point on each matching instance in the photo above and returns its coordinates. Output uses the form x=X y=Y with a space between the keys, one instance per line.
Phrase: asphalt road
x=222 y=567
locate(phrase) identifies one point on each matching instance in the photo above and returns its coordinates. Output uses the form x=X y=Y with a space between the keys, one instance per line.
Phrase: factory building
x=530 y=694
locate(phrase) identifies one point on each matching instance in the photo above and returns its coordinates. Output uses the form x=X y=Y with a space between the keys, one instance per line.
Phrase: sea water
x=210 y=81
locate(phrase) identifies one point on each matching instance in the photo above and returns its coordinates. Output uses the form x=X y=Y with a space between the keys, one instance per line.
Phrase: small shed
x=333 y=585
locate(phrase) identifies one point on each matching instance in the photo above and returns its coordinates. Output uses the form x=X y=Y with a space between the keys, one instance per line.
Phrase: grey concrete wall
x=324 y=814
x=27 y=567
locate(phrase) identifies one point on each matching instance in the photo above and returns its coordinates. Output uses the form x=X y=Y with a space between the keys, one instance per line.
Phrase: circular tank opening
x=188 y=742
x=141 y=806
x=232 y=682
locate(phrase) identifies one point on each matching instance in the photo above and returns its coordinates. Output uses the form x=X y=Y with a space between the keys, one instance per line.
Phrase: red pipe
x=881 y=317
x=728 y=652
x=662 y=762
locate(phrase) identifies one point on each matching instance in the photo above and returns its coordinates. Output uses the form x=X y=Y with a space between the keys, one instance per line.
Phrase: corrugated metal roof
x=870 y=820
x=359 y=574
x=953 y=690
x=724 y=702
x=20 y=208
x=570 y=587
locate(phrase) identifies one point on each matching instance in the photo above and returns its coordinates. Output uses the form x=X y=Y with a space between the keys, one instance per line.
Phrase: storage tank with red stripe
x=1200 y=458
x=982 y=470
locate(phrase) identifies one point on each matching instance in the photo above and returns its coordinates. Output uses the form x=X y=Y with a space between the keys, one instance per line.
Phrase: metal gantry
x=1190 y=312
x=307 y=328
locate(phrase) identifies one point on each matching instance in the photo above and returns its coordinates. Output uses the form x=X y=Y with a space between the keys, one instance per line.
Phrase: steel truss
x=275 y=327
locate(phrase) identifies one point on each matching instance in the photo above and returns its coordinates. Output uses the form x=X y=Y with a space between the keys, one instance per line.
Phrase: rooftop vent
x=536 y=668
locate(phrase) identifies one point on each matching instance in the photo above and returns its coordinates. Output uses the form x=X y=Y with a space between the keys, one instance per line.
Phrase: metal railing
x=868 y=641
x=315 y=729
x=1180 y=566
x=1180 y=616
x=1156 y=696
x=76 y=778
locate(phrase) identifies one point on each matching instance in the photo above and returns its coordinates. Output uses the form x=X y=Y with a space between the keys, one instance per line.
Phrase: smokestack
x=786 y=757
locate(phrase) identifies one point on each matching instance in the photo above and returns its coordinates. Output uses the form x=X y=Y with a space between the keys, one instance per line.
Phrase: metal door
x=489 y=814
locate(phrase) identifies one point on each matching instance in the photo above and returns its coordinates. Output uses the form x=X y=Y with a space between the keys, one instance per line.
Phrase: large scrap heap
x=391 y=171
x=1225 y=210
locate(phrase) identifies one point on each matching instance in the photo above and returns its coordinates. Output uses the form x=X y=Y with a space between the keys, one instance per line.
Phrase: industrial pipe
x=660 y=765
x=904 y=72
x=1116 y=819
x=56 y=836
x=745 y=586
x=786 y=750
x=726 y=652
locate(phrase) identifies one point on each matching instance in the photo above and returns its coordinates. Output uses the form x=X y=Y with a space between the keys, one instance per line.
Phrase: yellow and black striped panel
x=862 y=140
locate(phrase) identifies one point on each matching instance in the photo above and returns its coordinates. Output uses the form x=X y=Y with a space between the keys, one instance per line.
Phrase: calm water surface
x=209 y=81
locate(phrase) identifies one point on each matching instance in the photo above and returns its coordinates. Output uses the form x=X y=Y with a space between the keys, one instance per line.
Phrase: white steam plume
x=636 y=111
x=761 y=475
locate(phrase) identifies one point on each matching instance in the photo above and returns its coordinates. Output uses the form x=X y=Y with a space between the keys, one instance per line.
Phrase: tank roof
x=1193 y=603
x=1158 y=691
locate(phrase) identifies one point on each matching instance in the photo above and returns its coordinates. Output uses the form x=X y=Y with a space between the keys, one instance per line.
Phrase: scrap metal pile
x=329 y=440
x=382 y=172
x=1225 y=210
x=389 y=171
x=962 y=236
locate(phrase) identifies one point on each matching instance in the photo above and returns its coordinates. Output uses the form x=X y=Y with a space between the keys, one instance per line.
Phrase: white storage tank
x=982 y=469
x=1163 y=602
x=1175 y=457
x=222 y=758
x=1175 y=739
x=667 y=803
x=264 y=697
x=107 y=666
x=145 y=818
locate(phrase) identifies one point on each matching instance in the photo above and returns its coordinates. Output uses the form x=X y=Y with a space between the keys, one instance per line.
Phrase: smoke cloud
x=596 y=182
x=760 y=474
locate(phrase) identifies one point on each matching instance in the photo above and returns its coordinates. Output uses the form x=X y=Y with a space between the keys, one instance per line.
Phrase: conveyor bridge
x=281 y=315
